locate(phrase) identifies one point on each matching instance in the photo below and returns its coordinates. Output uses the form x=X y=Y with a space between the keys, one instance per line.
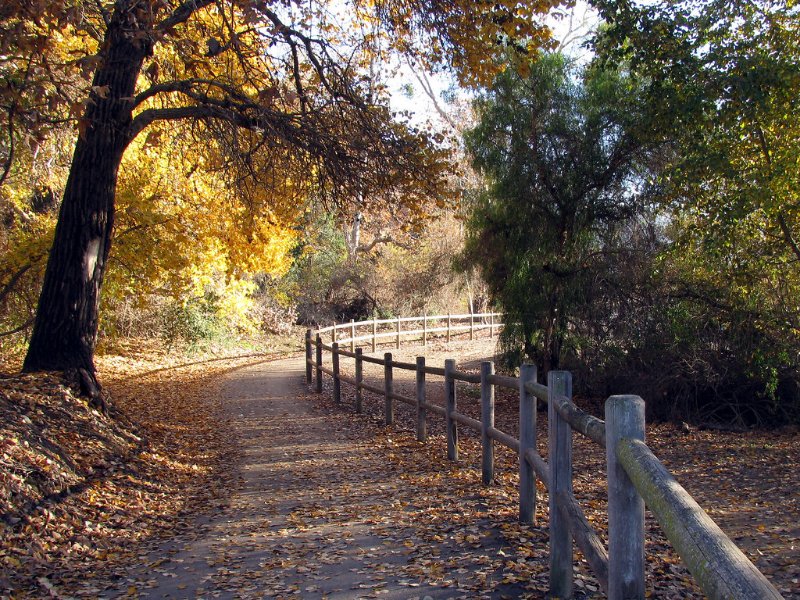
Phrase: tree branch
x=151 y=115
x=787 y=234
x=22 y=327
x=13 y=281
x=186 y=86
x=182 y=14
x=384 y=239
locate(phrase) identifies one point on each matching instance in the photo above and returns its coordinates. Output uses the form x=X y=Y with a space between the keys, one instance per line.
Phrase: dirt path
x=320 y=514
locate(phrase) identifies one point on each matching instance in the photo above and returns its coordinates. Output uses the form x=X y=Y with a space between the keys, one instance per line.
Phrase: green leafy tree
x=567 y=173
x=721 y=82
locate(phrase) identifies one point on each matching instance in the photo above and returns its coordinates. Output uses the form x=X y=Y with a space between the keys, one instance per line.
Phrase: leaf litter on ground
x=83 y=493
x=115 y=486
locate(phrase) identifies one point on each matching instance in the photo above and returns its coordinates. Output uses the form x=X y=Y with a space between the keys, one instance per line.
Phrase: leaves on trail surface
x=81 y=491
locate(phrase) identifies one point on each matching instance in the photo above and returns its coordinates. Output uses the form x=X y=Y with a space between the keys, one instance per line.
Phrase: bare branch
x=182 y=14
x=8 y=287
x=22 y=327
x=384 y=239
x=427 y=87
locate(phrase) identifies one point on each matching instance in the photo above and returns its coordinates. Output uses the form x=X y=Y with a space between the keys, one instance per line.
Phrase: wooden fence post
x=527 y=441
x=471 y=326
x=624 y=419
x=333 y=333
x=560 y=459
x=450 y=408
x=491 y=325
x=337 y=383
x=359 y=381
x=398 y=332
x=388 y=389
x=448 y=328
x=309 y=355
x=374 y=333
x=425 y=330
x=422 y=424
x=319 y=364
x=487 y=422
x=352 y=335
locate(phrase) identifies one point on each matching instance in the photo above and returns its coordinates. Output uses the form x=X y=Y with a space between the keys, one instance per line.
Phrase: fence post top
x=527 y=370
x=559 y=376
x=420 y=360
x=624 y=400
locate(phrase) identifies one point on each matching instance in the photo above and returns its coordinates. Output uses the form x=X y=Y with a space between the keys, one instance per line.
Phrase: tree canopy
x=279 y=92
x=721 y=83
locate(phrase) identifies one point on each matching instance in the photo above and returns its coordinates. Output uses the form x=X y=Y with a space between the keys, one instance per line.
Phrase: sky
x=568 y=32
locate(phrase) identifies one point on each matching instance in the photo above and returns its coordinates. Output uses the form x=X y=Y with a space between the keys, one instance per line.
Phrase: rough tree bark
x=65 y=330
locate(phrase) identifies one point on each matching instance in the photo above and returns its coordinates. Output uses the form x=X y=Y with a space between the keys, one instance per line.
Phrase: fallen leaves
x=81 y=491
x=748 y=482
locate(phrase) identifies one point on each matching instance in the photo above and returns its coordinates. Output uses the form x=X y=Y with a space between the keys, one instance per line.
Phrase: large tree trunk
x=65 y=330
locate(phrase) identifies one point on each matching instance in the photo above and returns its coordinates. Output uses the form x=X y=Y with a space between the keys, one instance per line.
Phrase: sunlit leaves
x=182 y=231
x=470 y=36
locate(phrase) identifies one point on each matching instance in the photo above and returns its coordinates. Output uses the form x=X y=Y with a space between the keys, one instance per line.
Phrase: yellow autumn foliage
x=182 y=232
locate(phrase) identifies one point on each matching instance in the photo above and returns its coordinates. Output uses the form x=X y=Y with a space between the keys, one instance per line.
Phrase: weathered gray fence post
x=337 y=383
x=388 y=389
x=352 y=335
x=359 y=380
x=450 y=408
x=448 y=327
x=624 y=419
x=425 y=330
x=399 y=328
x=487 y=423
x=491 y=325
x=319 y=364
x=559 y=383
x=422 y=424
x=374 y=333
x=309 y=355
x=527 y=441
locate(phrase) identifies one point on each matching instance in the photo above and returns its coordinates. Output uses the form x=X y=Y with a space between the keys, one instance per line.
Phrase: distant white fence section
x=405 y=329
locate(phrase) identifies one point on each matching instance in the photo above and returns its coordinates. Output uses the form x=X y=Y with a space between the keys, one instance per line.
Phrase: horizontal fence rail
x=635 y=476
x=404 y=329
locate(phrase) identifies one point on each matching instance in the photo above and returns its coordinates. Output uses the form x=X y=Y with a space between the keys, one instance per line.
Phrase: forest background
x=633 y=213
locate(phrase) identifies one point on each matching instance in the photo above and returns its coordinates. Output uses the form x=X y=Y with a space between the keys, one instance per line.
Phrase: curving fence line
x=635 y=476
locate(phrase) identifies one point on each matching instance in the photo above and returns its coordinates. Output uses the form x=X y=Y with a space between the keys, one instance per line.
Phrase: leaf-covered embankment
x=79 y=489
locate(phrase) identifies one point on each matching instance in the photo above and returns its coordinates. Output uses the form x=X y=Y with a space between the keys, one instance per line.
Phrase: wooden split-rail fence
x=635 y=476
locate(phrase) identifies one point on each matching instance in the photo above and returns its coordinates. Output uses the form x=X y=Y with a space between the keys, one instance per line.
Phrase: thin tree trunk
x=65 y=330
